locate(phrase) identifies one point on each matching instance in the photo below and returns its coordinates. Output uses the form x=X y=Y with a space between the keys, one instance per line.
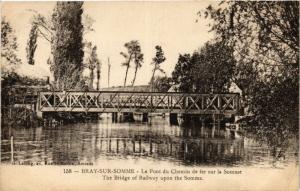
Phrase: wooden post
x=133 y=146
x=12 y=148
x=109 y=148
x=140 y=146
x=117 y=145
x=150 y=146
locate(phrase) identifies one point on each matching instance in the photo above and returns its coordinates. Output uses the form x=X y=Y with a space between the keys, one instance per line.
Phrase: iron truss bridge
x=145 y=102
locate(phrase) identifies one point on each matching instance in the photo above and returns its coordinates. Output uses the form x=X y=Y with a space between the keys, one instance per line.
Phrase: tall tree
x=9 y=46
x=60 y=30
x=156 y=61
x=67 y=44
x=138 y=59
x=133 y=54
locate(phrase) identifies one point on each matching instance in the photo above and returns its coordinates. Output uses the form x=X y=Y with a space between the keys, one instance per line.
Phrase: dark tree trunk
x=128 y=64
x=126 y=75
x=135 y=72
x=152 y=79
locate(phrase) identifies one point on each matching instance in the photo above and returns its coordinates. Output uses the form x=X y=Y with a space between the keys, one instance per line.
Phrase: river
x=153 y=142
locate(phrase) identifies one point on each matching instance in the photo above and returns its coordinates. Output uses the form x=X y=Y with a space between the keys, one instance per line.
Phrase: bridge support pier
x=145 y=117
x=217 y=119
x=117 y=117
x=173 y=119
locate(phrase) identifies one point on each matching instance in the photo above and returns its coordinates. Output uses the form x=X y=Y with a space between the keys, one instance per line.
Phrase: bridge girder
x=146 y=102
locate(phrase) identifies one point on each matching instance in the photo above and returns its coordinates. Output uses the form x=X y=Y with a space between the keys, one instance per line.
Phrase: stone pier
x=145 y=117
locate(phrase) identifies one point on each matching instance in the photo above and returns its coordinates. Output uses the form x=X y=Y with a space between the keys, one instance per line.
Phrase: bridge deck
x=169 y=102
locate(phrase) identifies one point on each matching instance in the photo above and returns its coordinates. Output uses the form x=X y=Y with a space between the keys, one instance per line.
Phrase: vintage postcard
x=149 y=95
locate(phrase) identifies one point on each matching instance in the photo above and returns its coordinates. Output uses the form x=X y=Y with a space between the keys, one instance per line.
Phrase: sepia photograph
x=152 y=95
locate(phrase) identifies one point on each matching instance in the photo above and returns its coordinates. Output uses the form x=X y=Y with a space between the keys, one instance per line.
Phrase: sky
x=172 y=25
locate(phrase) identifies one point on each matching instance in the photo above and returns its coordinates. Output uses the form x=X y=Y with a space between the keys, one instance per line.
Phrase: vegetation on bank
x=264 y=37
x=265 y=40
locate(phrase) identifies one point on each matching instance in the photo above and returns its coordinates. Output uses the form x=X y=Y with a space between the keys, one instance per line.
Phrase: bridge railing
x=169 y=102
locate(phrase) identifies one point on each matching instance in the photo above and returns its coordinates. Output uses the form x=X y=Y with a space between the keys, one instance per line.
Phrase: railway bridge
x=139 y=102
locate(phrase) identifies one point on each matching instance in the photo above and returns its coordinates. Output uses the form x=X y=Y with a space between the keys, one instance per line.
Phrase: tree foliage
x=209 y=70
x=133 y=54
x=182 y=74
x=214 y=68
x=157 y=60
x=41 y=26
x=9 y=46
x=263 y=34
x=269 y=27
x=17 y=79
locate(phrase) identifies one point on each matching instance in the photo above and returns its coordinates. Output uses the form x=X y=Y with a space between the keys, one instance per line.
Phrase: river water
x=155 y=141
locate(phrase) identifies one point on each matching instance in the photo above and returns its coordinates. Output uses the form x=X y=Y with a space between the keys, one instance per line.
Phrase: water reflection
x=156 y=141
